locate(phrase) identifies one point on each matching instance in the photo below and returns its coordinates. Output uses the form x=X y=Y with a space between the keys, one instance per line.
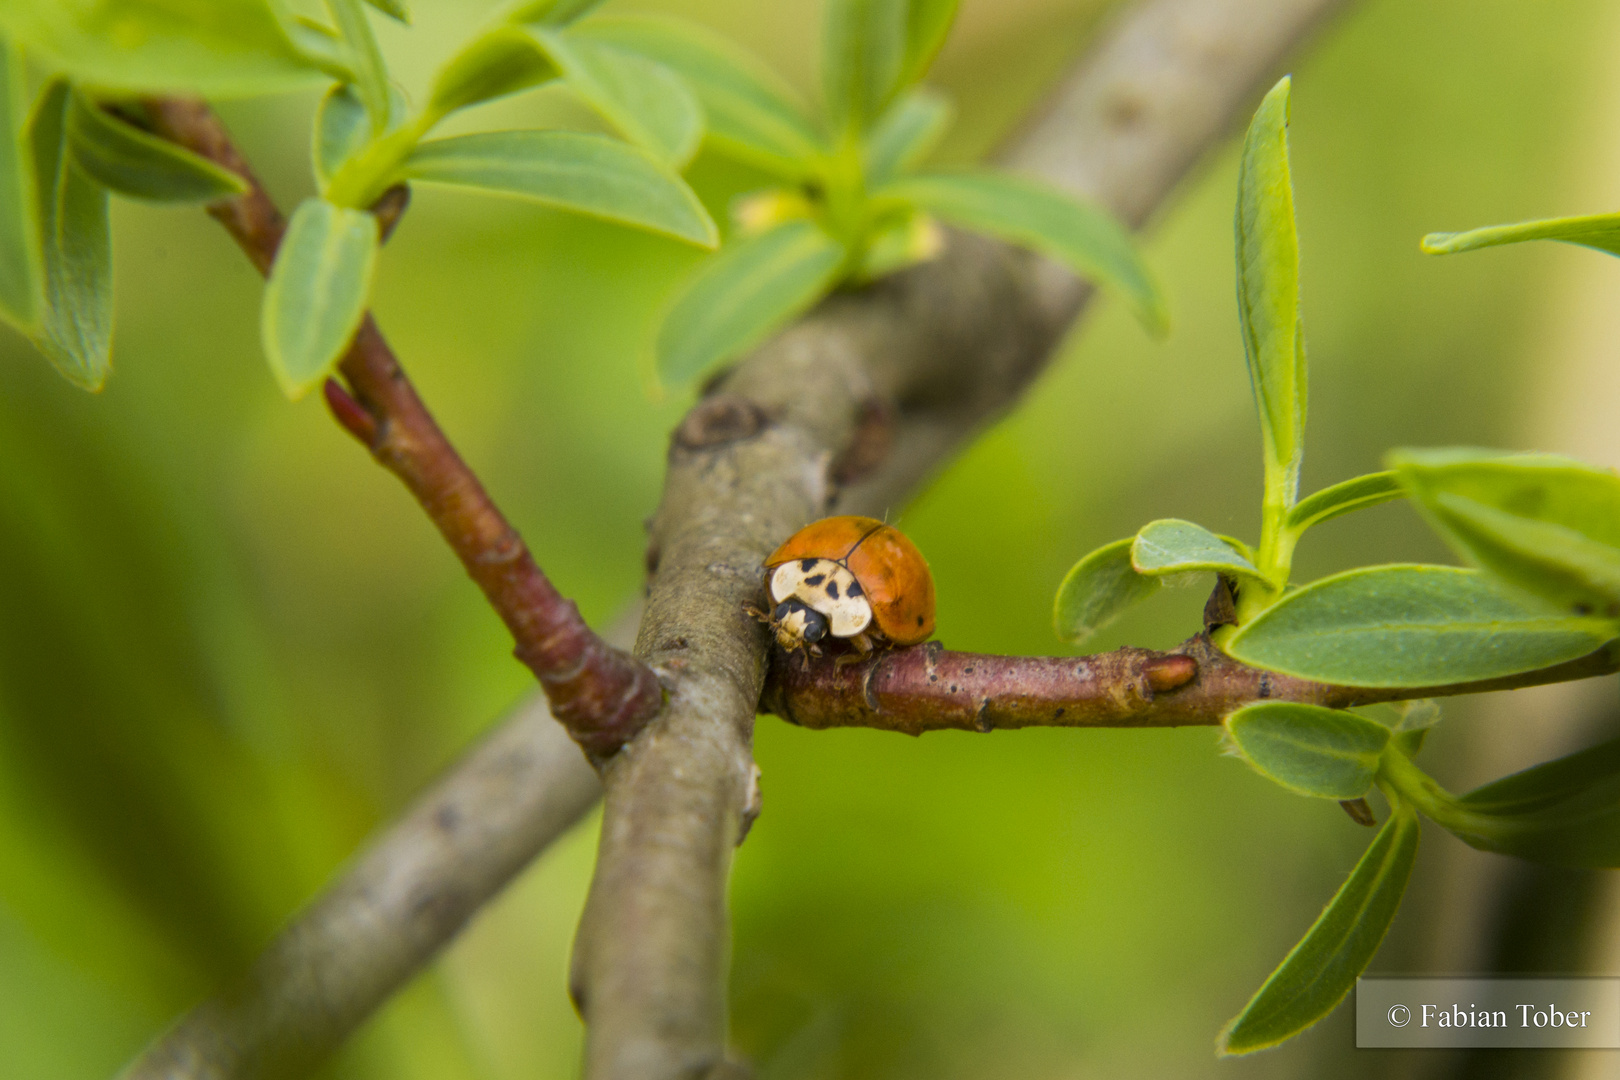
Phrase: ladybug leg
x=863 y=649
x=762 y=616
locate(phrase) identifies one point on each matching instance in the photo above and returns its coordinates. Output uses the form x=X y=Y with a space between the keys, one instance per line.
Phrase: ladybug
x=853 y=578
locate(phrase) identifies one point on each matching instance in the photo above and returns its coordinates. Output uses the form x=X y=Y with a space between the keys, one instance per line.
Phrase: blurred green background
x=231 y=646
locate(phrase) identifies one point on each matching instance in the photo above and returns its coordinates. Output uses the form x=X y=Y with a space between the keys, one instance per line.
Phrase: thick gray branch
x=880 y=383
x=390 y=913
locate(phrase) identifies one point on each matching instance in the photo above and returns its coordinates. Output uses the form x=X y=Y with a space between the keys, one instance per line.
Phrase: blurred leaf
x=1098 y=589
x=928 y=23
x=863 y=52
x=751 y=287
x=550 y=12
x=588 y=174
x=323 y=46
x=1409 y=721
x=217 y=48
x=19 y=238
x=761 y=210
x=1411 y=626
x=317 y=292
x=341 y=131
x=1564 y=812
x=905 y=133
x=1321 y=969
x=1172 y=546
x=393 y=8
x=1031 y=213
x=1326 y=753
x=1600 y=231
x=1342 y=498
x=1546 y=524
x=903 y=241
x=1268 y=288
x=370 y=71
x=500 y=62
x=752 y=114
x=132 y=162
x=646 y=101
x=76 y=244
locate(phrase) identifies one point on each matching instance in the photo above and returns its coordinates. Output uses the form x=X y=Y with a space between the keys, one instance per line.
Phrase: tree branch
x=930 y=688
x=916 y=364
x=600 y=694
x=401 y=901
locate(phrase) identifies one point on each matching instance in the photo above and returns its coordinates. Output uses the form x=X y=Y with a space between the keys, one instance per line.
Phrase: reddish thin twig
x=602 y=695
x=930 y=688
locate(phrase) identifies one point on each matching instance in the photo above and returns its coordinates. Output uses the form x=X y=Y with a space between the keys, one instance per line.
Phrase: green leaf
x=122 y=157
x=20 y=271
x=217 y=48
x=751 y=287
x=928 y=23
x=1268 y=287
x=905 y=133
x=370 y=72
x=1408 y=721
x=1342 y=498
x=395 y=9
x=1321 y=969
x=341 y=131
x=317 y=292
x=1098 y=589
x=549 y=12
x=1564 y=812
x=75 y=240
x=753 y=115
x=1031 y=213
x=1172 y=546
x=503 y=61
x=323 y=47
x=1600 y=231
x=588 y=174
x=647 y=102
x=1411 y=626
x=902 y=241
x=863 y=52
x=1547 y=524
x=1326 y=753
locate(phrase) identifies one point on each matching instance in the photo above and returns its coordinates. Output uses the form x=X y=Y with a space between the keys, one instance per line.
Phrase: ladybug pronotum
x=850 y=578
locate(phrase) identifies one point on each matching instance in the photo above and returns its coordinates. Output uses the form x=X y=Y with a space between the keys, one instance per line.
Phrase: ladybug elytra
x=849 y=578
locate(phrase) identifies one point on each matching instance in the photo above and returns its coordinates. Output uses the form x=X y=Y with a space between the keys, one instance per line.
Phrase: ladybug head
x=796 y=624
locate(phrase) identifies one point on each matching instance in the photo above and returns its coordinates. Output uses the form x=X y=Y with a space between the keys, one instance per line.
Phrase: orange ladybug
x=853 y=578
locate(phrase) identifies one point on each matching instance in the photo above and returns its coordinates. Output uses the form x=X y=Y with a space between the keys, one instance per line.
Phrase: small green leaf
x=317 y=292
x=75 y=240
x=1172 y=546
x=863 y=52
x=1321 y=969
x=751 y=287
x=753 y=115
x=1408 y=721
x=395 y=9
x=1600 y=231
x=1354 y=494
x=503 y=61
x=122 y=157
x=20 y=271
x=216 y=48
x=549 y=12
x=1326 y=753
x=905 y=133
x=322 y=46
x=587 y=174
x=370 y=72
x=1564 y=812
x=341 y=131
x=1547 y=524
x=1411 y=626
x=1098 y=589
x=1268 y=286
x=903 y=241
x=1031 y=213
x=647 y=102
x=928 y=23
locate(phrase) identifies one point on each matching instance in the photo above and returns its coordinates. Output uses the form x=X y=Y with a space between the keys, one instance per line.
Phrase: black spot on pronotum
x=854 y=588
x=832 y=589
x=815 y=579
x=807 y=565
